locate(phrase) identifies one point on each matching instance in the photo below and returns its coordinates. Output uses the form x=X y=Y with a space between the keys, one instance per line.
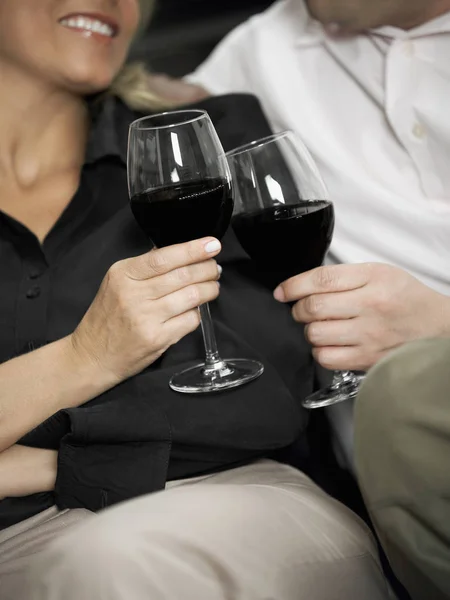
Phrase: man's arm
x=228 y=68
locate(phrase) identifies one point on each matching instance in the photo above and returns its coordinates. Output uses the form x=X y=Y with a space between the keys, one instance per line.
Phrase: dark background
x=183 y=32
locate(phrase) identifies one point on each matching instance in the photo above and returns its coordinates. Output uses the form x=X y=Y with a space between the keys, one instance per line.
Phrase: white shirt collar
x=439 y=25
x=308 y=31
x=311 y=32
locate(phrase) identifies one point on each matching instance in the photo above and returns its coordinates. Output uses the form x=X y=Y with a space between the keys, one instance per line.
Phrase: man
x=365 y=85
x=367 y=92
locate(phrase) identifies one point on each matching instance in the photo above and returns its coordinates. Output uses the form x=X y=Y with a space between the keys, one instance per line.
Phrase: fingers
x=348 y=358
x=161 y=261
x=158 y=287
x=186 y=299
x=335 y=278
x=332 y=333
x=322 y=307
x=177 y=328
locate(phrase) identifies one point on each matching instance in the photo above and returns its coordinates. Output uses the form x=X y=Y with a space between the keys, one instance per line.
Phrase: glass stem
x=342 y=377
x=209 y=337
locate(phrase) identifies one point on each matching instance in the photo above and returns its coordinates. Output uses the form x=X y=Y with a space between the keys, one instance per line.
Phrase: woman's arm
x=25 y=471
x=144 y=305
x=35 y=386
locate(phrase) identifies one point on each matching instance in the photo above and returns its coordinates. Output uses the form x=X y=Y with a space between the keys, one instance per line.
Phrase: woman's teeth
x=90 y=25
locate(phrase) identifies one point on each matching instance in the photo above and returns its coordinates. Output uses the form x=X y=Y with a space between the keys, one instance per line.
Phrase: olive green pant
x=402 y=445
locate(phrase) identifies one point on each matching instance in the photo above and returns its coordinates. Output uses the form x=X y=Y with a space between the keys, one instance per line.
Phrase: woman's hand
x=25 y=471
x=146 y=304
x=356 y=313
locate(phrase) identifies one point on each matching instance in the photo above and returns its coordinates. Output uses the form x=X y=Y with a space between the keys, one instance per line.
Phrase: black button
x=35 y=273
x=33 y=292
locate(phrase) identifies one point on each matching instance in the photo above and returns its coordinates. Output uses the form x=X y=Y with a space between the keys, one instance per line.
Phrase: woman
x=92 y=325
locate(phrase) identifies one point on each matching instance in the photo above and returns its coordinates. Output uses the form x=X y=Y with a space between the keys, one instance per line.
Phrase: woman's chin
x=88 y=86
x=91 y=79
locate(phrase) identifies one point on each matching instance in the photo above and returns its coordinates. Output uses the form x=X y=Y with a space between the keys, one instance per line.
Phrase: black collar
x=110 y=120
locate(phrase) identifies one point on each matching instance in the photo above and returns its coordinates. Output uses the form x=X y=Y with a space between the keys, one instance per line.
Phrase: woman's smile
x=91 y=25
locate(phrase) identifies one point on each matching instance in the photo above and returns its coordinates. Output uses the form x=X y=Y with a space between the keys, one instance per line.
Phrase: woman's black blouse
x=134 y=438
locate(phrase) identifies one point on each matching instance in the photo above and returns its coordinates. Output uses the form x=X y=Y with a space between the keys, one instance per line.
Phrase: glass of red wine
x=284 y=220
x=181 y=189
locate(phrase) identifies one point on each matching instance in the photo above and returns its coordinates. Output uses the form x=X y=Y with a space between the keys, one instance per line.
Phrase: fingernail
x=279 y=294
x=219 y=268
x=212 y=246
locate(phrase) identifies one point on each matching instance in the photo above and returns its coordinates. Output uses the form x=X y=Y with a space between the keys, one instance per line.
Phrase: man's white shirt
x=374 y=110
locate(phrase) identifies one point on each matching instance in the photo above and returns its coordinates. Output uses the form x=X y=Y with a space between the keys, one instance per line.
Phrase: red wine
x=184 y=211
x=286 y=240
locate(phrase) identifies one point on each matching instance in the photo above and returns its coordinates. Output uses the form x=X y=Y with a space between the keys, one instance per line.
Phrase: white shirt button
x=419 y=131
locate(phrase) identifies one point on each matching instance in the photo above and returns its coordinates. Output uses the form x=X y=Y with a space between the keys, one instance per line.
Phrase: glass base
x=344 y=387
x=220 y=376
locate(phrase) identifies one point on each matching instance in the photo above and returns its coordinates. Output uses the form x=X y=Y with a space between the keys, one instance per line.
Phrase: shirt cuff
x=112 y=452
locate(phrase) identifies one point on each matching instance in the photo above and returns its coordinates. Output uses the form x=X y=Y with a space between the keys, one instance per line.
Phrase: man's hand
x=356 y=313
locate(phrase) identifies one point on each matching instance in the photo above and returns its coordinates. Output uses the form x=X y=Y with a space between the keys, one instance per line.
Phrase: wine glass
x=180 y=189
x=284 y=220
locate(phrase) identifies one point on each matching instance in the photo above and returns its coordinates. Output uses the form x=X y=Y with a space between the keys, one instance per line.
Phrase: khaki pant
x=260 y=532
x=402 y=448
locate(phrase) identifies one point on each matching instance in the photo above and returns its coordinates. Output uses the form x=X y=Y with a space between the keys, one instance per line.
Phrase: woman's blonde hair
x=132 y=84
